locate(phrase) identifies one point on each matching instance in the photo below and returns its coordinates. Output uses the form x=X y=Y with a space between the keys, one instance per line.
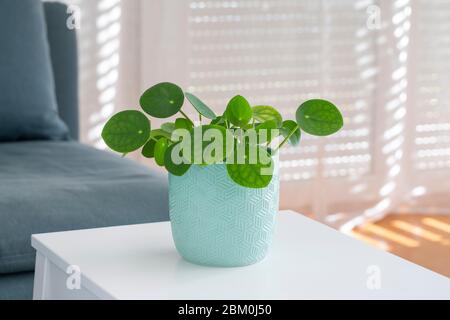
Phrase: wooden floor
x=422 y=239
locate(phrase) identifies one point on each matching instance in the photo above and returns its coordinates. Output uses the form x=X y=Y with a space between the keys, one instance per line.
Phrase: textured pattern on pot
x=216 y=222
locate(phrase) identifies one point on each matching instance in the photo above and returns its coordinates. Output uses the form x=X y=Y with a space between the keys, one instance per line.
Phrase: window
x=385 y=63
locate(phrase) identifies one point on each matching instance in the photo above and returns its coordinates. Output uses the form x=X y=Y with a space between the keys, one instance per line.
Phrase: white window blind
x=432 y=94
x=390 y=79
x=282 y=53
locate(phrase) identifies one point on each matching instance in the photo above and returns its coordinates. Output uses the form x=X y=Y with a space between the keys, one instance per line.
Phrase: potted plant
x=223 y=172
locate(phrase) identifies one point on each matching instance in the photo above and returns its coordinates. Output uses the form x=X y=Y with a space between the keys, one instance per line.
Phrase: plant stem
x=287 y=138
x=187 y=118
x=200 y=118
x=124 y=155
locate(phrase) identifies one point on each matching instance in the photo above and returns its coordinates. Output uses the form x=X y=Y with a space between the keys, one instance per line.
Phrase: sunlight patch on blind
x=283 y=53
x=99 y=59
x=432 y=134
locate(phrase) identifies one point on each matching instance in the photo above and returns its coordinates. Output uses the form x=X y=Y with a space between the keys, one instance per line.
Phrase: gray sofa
x=48 y=186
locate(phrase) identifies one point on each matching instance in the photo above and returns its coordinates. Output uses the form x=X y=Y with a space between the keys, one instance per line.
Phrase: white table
x=308 y=261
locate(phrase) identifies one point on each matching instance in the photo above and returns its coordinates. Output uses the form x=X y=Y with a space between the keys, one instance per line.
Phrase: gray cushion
x=28 y=108
x=17 y=286
x=55 y=186
x=63 y=51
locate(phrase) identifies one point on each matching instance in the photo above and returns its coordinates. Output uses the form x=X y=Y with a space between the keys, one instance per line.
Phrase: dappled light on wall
x=282 y=53
x=384 y=63
x=99 y=58
x=391 y=112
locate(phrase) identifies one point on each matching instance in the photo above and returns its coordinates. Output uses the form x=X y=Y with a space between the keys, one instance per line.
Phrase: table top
x=308 y=260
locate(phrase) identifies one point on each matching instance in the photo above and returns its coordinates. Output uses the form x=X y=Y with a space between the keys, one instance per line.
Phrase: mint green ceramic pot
x=216 y=222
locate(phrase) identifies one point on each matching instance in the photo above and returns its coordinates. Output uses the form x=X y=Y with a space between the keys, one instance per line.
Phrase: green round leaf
x=199 y=148
x=201 y=108
x=266 y=113
x=175 y=169
x=269 y=126
x=127 y=131
x=251 y=175
x=248 y=126
x=149 y=148
x=160 y=150
x=290 y=129
x=220 y=121
x=319 y=118
x=168 y=127
x=183 y=123
x=239 y=112
x=160 y=133
x=162 y=100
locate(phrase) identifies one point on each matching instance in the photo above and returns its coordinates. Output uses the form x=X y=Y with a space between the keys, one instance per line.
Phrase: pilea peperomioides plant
x=131 y=130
